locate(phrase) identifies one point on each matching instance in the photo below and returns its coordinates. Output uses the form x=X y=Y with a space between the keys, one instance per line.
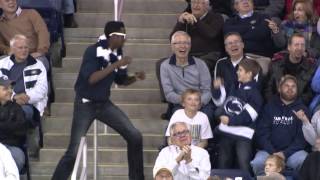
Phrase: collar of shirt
x=249 y=14
x=204 y=15
x=235 y=63
x=18 y=12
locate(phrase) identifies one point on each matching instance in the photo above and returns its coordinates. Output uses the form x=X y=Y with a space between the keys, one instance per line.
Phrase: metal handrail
x=82 y=151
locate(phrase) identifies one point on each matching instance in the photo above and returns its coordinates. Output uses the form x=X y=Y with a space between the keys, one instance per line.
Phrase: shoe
x=69 y=21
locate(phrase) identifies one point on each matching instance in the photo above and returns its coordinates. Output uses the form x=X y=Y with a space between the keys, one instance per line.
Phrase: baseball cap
x=287 y=77
x=4 y=81
x=114 y=28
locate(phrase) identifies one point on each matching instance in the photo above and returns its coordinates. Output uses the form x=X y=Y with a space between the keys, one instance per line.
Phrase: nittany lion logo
x=233 y=106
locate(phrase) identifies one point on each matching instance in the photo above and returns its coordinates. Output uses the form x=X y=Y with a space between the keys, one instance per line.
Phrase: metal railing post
x=95 y=150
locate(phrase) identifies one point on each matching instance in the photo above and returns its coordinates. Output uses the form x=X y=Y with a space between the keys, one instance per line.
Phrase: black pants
x=83 y=115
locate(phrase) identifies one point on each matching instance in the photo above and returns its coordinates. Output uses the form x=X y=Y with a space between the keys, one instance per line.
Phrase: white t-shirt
x=199 y=119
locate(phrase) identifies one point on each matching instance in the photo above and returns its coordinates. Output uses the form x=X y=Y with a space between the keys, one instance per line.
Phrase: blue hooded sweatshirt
x=278 y=129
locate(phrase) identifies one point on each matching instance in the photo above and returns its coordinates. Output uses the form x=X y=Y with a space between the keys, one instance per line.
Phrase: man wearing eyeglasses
x=182 y=71
x=205 y=30
x=103 y=64
x=185 y=161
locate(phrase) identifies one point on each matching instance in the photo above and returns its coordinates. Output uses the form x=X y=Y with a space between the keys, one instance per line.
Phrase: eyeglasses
x=181 y=133
x=230 y=43
x=181 y=43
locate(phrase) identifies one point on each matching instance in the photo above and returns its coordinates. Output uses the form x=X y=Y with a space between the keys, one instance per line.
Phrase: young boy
x=200 y=126
x=13 y=126
x=274 y=165
x=238 y=112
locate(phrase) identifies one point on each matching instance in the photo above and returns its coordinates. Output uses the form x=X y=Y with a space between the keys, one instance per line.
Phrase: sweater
x=91 y=63
x=255 y=33
x=278 y=129
x=176 y=79
x=29 y=23
x=310 y=167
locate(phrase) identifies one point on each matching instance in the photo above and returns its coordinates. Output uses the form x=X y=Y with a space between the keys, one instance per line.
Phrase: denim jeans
x=293 y=162
x=18 y=156
x=231 y=149
x=83 y=115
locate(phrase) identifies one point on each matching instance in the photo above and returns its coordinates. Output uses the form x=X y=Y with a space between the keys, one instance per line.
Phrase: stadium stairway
x=148 y=24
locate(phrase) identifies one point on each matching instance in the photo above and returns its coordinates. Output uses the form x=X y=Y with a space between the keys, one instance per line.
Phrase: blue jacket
x=255 y=33
x=242 y=104
x=278 y=129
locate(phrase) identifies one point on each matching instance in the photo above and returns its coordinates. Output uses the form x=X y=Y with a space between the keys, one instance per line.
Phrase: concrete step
x=123 y=177
x=153 y=6
x=47 y=169
x=150 y=141
x=134 y=35
x=67 y=80
x=141 y=20
x=142 y=50
x=134 y=111
x=63 y=125
x=105 y=156
x=117 y=95
x=72 y=65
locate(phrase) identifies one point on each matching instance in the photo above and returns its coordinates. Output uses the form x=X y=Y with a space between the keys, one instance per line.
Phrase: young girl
x=200 y=126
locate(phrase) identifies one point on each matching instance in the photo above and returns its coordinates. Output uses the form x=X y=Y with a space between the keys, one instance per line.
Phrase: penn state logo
x=233 y=106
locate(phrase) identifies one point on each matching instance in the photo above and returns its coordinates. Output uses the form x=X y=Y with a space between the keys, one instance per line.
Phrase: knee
x=135 y=137
x=19 y=159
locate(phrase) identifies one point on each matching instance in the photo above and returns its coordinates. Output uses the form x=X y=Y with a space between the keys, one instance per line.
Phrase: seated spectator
x=8 y=168
x=13 y=126
x=315 y=86
x=279 y=130
x=184 y=160
x=301 y=20
x=272 y=168
x=30 y=77
x=198 y=121
x=205 y=29
x=295 y=64
x=28 y=22
x=240 y=109
x=182 y=71
x=310 y=167
x=311 y=130
x=226 y=68
x=252 y=27
x=162 y=173
x=288 y=7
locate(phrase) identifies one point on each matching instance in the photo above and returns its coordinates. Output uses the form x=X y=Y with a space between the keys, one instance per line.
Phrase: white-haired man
x=184 y=160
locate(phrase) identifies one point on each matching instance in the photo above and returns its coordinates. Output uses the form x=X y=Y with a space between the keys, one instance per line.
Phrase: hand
x=180 y=156
x=187 y=155
x=224 y=119
x=141 y=75
x=36 y=54
x=217 y=83
x=280 y=154
x=21 y=99
x=301 y=115
x=187 y=18
x=124 y=61
x=273 y=26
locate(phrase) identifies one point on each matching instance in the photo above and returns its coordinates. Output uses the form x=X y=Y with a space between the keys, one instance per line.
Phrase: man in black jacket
x=13 y=126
